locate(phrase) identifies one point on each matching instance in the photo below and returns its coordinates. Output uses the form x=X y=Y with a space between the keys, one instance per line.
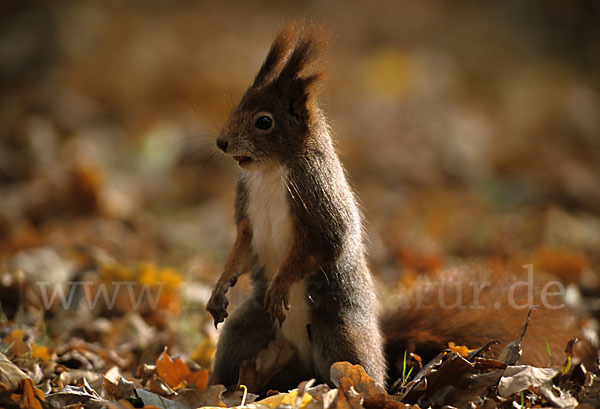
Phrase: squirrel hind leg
x=334 y=341
x=250 y=323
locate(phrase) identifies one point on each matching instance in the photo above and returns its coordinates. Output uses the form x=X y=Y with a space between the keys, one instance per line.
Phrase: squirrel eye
x=264 y=122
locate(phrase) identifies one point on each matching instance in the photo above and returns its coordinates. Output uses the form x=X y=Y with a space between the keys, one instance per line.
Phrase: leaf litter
x=97 y=205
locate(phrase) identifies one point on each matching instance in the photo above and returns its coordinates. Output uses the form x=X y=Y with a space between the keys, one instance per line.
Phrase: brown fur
x=447 y=309
x=325 y=255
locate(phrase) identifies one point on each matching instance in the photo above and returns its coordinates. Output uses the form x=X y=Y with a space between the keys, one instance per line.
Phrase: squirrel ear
x=278 y=53
x=300 y=76
x=301 y=93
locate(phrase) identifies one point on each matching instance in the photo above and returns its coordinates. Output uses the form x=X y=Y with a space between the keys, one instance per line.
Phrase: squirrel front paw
x=217 y=305
x=275 y=299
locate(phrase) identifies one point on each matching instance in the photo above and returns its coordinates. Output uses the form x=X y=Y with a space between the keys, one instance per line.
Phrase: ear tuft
x=303 y=61
x=292 y=67
x=294 y=55
x=278 y=53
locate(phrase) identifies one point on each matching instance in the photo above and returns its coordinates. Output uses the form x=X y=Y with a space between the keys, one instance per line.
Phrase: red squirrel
x=300 y=235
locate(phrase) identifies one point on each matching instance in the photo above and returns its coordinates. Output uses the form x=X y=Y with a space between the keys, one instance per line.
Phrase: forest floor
x=470 y=136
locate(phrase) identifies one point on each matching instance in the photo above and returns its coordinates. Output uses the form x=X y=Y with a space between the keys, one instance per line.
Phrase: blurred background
x=470 y=131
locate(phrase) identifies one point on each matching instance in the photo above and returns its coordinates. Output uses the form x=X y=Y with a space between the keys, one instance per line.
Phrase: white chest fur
x=269 y=214
x=272 y=235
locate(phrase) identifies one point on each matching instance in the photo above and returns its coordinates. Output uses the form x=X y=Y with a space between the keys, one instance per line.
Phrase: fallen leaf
x=521 y=377
x=419 y=382
x=116 y=385
x=195 y=398
x=145 y=370
x=16 y=344
x=32 y=396
x=461 y=350
x=385 y=402
x=289 y=399
x=177 y=374
x=360 y=380
x=455 y=382
x=10 y=374
x=172 y=372
x=484 y=364
x=152 y=399
x=348 y=397
x=199 y=379
x=76 y=377
x=40 y=352
x=234 y=398
x=557 y=397
x=71 y=395
x=156 y=385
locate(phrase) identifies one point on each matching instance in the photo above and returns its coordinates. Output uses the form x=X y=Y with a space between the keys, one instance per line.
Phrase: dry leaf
x=455 y=382
x=360 y=380
x=16 y=345
x=116 y=385
x=32 y=396
x=172 y=372
x=461 y=350
x=156 y=385
x=521 y=377
x=71 y=395
x=151 y=399
x=290 y=399
x=10 y=374
x=384 y=402
x=145 y=370
x=557 y=397
x=196 y=398
x=176 y=373
x=199 y=379
x=348 y=397
x=40 y=352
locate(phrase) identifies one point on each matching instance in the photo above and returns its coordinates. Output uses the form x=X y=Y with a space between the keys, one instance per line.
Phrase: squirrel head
x=278 y=114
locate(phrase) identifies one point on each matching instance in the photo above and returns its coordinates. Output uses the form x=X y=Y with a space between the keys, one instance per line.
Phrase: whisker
x=203 y=138
x=230 y=100
x=289 y=184
x=195 y=147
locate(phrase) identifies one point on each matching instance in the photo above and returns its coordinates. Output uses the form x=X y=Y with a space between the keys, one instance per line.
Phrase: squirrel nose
x=222 y=144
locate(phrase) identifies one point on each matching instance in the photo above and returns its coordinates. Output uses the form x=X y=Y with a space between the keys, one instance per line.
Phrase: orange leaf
x=40 y=352
x=459 y=349
x=17 y=346
x=416 y=358
x=357 y=376
x=198 y=378
x=32 y=396
x=174 y=373
x=14 y=336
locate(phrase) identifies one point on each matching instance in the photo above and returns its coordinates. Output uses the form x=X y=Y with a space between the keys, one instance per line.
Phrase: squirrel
x=300 y=235
x=299 y=228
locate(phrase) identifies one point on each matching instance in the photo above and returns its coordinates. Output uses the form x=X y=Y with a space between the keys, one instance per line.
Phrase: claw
x=217 y=306
x=274 y=304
